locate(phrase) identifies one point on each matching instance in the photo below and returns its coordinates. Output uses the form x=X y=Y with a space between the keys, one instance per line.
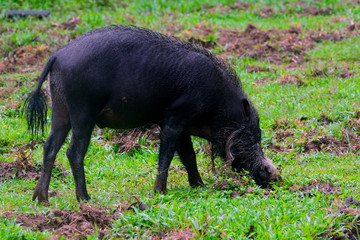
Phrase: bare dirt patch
x=347 y=74
x=130 y=140
x=348 y=142
x=324 y=119
x=265 y=12
x=349 y=201
x=226 y=9
x=25 y=59
x=23 y=167
x=289 y=46
x=338 y=35
x=319 y=72
x=351 y=221
x=287 y=124
x=240 y=6
x=285 y=79
x=70 y=224
x=314 y=140
x=323 y=187
x=256 y=68
x=273 y=45
x=70 y=24
x=262 y=81
x=343 y=72
x=197 y=34
x=315 y=11
x=289 y=79
x=175 y=234
x=222 y=9
x=304 y=9
x=6 y=92
x=202 y=42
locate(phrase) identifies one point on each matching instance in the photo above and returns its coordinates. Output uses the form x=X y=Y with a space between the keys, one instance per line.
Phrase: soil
x=25 y=59
x=346 y=74
x=6 y=92
x=262 y=81
x=235 y=194
x=175 y=234
x=274 y=46
x=275 y=148
x=199 y=31
x=352 y=222
x=337 y=35
x=265 y=12
x=289 y=79
x=240 y=6
x=204 y=43
x=324 y=119
x=232 y=184
x=306 y=10
x=256 y=68
x=342 y=73
x=285 y=124
x=313 y=140
x=350 y=201
x=226 y=9
x=23 y=167
x=348 y=142
x=325 y=188
x=285 y=79
x=315 y=11
x=71 y=224
x=129 y=140
x=319 y=73
x=70 y=24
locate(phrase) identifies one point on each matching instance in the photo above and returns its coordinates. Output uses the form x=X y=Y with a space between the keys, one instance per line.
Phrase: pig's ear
x=247 y=108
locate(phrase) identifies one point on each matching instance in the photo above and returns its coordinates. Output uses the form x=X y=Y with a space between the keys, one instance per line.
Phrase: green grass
x=115 y=178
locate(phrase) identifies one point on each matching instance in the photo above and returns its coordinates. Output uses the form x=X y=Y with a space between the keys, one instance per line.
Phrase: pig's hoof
x=41 y=195
x=83 y=197
x=160 y=186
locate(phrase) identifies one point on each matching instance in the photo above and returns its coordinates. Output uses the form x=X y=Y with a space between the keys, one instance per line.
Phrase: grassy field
x=299 y=64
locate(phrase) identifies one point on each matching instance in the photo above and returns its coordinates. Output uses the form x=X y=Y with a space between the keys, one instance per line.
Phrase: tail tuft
x=36 y=112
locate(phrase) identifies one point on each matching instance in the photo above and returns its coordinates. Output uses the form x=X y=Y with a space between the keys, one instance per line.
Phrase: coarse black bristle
x=36 y=112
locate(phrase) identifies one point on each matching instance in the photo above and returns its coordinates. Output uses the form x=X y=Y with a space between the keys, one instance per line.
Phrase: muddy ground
x=314 y=140
x=133 y=139
x=23 y=167
x=288 y=46
x=79 y=224
x=70 y=224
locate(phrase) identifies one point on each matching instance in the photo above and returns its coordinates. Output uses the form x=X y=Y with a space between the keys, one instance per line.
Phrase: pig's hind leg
x=188 y=158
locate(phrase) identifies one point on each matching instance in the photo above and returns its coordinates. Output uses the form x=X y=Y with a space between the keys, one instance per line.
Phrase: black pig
x=127 y=76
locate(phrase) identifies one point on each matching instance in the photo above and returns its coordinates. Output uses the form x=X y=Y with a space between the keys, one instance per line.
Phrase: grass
x=210 y=213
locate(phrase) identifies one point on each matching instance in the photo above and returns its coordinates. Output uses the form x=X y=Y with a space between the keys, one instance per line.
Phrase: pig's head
x=243 y=149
